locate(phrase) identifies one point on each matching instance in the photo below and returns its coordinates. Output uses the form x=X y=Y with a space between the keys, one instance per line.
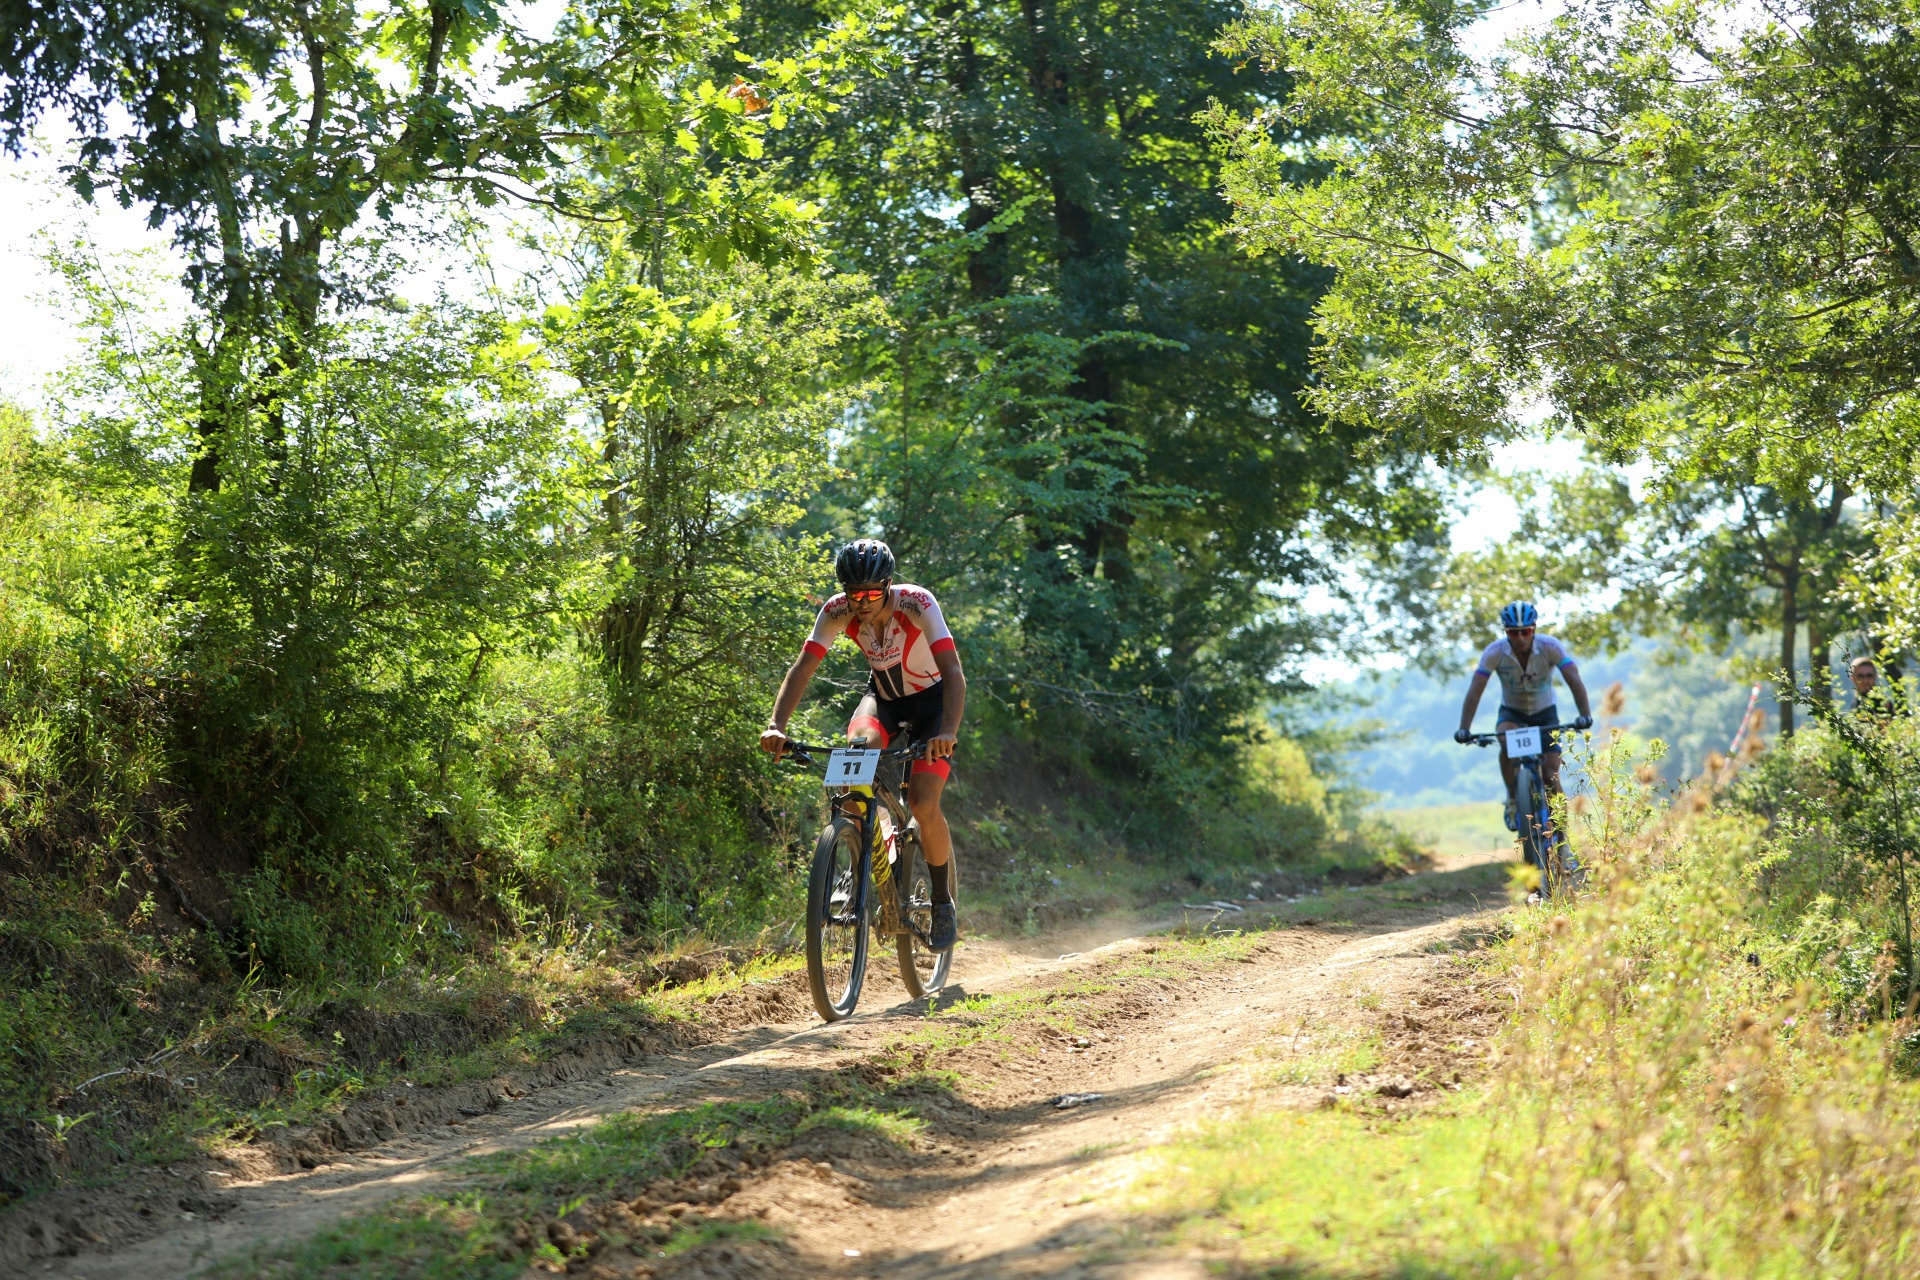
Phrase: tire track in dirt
x=992 y=1193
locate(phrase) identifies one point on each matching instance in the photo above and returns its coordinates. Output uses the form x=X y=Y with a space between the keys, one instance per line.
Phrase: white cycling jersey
x=901 y=653
x=1527 y=688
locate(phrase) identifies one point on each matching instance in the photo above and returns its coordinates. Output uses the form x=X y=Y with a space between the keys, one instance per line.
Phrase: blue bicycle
x=1542 y=842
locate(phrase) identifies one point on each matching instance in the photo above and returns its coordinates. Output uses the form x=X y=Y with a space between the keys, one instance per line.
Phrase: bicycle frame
x=891 y=792
x=1527 y=769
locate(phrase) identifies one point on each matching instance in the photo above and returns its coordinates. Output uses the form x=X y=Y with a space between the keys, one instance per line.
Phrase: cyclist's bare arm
x=792 y=689
x=953 y=704
x=1578 y=688
x=1471 y=707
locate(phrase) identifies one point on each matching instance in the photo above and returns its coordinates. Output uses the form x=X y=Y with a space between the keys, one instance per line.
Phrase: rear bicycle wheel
x=836 y=921
x=922 y=972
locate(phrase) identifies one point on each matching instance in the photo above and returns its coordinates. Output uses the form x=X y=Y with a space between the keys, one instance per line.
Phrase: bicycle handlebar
x=1488 y=739
x=802 y=752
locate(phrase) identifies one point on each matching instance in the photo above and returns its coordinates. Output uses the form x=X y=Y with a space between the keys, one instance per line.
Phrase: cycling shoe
x=946 y=929
x=1512 y=818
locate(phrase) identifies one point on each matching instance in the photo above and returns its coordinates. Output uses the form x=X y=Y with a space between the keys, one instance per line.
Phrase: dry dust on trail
x=994 y=1185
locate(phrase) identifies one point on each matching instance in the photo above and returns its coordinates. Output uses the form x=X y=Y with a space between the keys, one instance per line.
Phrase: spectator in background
x=1868 y=698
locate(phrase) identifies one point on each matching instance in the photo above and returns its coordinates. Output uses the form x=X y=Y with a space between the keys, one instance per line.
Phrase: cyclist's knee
x=923 y=794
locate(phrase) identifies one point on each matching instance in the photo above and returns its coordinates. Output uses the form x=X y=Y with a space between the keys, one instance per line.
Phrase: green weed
x=901 y=1129
x=1318 y=1055
x=714 y=1232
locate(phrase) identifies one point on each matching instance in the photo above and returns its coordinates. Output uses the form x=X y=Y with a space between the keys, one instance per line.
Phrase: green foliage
x=1836 y=882
x=1087 y=432
x=1656 y=1104
x=1650 y=215
x=712 y=418
x=262 y=135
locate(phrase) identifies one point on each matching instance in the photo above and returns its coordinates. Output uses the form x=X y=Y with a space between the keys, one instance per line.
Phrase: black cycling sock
x=941 y=877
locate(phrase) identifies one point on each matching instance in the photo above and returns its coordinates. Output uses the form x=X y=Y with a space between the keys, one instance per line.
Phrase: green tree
x=1685 y=228
x=261 y=134
x=328 y=616
x=712 y=417
x=1091 y=411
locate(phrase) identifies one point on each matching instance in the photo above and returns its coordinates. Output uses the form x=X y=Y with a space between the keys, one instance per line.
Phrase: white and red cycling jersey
x=900 y=651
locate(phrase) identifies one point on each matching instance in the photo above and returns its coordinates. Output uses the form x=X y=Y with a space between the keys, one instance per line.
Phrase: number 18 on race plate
x=852 y=768
x=1520 y=742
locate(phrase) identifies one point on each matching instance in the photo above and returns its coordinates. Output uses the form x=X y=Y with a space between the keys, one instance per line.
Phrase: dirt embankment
x=992 y=1181
x=157 y=1201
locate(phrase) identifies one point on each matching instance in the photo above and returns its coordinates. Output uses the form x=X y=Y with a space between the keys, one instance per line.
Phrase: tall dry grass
x=1665 y=1105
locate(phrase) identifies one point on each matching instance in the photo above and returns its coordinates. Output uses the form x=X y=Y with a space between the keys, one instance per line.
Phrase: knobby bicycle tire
x=836 y=934
x=1529 y=796
x=1540 y=837
x=922 y=972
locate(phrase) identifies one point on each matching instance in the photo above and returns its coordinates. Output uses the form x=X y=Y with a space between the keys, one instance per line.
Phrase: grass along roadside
x=638 y=1183
x=1660 y=1104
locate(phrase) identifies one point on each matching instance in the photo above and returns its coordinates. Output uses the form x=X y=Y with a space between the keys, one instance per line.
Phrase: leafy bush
x=1835 y=876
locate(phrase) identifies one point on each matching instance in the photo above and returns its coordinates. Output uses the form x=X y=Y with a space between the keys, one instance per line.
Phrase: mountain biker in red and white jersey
x=1525 y=663
x=915 y=687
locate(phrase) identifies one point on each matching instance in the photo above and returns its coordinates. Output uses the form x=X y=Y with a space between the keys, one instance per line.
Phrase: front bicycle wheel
x=922 y=972
x=1536 y=841
x=836 y=921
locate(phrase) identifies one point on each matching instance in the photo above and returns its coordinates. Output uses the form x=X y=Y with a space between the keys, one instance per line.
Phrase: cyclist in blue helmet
x=1525 y=662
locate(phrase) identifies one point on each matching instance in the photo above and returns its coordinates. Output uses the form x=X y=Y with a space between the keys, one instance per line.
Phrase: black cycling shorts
x=903 y=720
x=1538 y=719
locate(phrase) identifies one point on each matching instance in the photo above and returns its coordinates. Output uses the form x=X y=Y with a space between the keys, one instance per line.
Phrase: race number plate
x=1521 y=743
x=852 y=768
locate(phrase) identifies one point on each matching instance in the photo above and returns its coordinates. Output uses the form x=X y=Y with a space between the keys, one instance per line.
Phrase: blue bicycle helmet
x=1519 y=614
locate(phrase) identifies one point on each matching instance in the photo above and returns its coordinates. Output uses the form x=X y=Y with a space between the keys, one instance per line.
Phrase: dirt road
x=996 y=1184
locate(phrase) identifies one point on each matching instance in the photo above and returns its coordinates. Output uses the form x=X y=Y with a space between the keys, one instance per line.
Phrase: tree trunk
x=1789 y=636
x=986 y=262
x=1092 y=263
x=1819 y=661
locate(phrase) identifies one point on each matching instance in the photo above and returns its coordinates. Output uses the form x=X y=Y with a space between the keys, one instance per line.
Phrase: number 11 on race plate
x=852 y=768
x=1522 y=742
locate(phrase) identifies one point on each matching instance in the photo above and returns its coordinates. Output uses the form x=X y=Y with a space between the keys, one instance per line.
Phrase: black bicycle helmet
x=863 y=560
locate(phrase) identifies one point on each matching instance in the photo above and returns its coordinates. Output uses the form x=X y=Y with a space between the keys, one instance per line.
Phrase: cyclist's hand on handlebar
x=1583 y=723
x=1463 y=736
x=773 y=742
x=941 y=745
